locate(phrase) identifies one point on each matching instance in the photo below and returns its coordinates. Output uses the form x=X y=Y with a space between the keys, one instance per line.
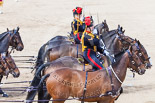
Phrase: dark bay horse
x=65 y=82
x=7 y=65
x=11 y=38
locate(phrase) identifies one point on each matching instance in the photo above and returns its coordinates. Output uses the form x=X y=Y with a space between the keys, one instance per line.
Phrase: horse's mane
x=58 y=37
x=3 y=35
x=108 y=39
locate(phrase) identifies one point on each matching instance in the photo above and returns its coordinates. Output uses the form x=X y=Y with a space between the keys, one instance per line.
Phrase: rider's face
x=78 y=16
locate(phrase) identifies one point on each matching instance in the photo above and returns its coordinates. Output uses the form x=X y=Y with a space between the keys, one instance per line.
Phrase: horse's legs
x=40 y=93
x=1 y=92
x=47 y=96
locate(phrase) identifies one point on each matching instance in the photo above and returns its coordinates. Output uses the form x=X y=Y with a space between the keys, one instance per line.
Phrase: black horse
x=10 y=38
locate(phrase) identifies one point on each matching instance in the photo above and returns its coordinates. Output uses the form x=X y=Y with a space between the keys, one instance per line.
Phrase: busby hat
x=88 y=21
x=77 y=10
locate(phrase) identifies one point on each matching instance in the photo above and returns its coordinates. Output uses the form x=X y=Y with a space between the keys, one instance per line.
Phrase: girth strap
x=110 y=74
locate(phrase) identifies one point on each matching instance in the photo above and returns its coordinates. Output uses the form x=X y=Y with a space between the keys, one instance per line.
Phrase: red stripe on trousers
x=78 y=36
x=88 y=54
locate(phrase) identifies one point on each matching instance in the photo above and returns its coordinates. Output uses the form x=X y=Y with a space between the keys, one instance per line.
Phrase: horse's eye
x=133 y=62
x=140 y=54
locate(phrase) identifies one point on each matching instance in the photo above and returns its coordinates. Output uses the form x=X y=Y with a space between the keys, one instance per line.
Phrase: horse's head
x=134 y=60
x=143 y=54
x=10 y=64
x=102 y=27
x=16 y=40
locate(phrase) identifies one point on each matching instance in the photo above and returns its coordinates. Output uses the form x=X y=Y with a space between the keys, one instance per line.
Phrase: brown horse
x=7 y=65
x=66 y=82
x=66 y=61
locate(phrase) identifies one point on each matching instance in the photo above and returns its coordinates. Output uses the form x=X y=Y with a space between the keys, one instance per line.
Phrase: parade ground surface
x=40 y=20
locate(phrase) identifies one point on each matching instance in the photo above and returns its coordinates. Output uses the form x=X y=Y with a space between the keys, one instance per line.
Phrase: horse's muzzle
x=148 y=65
x=141 y=71
x=19 y=48
x=15 y=75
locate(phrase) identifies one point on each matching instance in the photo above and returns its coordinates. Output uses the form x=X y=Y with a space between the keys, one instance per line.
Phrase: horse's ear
x=138 y=42
x=121 y=28
x=7 y=30
x=18 y=29
x=123 y=31
x=105 y=21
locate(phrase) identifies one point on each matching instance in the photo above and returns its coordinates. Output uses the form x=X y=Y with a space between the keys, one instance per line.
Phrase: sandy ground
x=40 y=20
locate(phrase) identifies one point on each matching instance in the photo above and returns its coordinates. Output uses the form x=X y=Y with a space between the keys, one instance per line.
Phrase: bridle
x=142 y=56
x=133 y=62
x=14 y=39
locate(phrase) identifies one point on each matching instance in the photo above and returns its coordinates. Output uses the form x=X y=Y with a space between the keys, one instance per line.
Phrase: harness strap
x=110 y=74
x=77 y=50
x=84 y=66
x=85 y=88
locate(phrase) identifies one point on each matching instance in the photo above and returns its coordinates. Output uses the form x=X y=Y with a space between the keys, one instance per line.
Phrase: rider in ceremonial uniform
x=90 y=45
x=77 y=25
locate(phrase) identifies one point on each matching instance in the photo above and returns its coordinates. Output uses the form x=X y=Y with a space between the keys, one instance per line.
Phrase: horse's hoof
x=5 y=95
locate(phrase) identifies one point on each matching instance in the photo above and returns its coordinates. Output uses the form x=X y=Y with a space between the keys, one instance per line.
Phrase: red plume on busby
x=77 y=10
x=88 y=21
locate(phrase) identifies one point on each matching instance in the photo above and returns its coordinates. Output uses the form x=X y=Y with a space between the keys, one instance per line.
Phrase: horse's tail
x=32 y=93
x=42 y=79
x=40 y=54
x=35 y=82
x=42 y=67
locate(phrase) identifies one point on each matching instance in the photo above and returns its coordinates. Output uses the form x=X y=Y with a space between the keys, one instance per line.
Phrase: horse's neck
x=4 y=44
x=121 y=69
